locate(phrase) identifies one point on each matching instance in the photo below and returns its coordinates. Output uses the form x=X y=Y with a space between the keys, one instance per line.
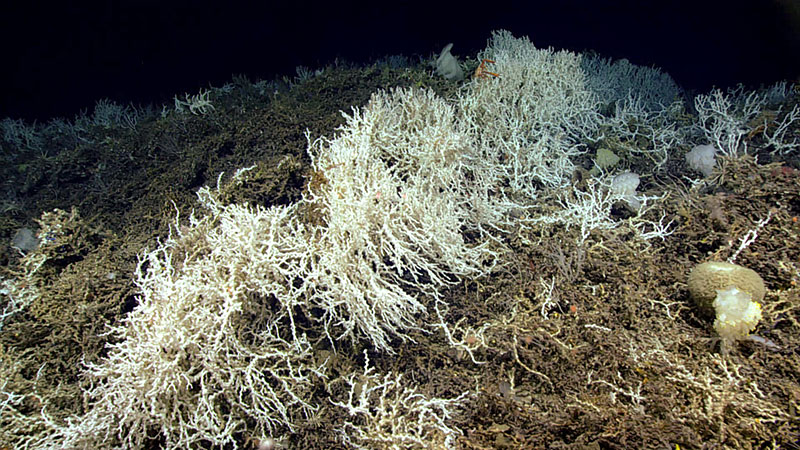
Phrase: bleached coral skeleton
x=205 y=351
x=724 y=118
x=389 y=414
x=198 y=104
x=529 y=122
x=395 y=199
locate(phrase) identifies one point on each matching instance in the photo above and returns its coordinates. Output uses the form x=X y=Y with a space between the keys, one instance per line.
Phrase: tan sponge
x=707 y=278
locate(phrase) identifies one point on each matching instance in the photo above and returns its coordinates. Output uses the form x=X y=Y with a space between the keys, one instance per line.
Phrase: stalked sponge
x=708 y=278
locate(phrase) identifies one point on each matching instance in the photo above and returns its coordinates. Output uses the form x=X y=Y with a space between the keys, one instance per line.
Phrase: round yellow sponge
x=707 y=278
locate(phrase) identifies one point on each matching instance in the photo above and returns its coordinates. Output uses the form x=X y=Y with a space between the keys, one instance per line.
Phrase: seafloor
x=623 y=359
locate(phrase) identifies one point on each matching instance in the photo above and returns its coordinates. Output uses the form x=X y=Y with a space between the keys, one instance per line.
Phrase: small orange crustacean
x=481 y=71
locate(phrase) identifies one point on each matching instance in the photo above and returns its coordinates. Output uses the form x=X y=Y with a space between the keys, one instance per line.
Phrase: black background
x=59 y=58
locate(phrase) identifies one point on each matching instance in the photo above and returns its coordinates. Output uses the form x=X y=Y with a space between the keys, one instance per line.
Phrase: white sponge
x=702 y=159
x=447 y=65
x=737 y=314
x=625 y=185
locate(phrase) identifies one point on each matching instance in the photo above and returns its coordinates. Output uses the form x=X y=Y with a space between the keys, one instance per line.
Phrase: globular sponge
x=708 y=278
x=732 y=294
x=702 y=158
